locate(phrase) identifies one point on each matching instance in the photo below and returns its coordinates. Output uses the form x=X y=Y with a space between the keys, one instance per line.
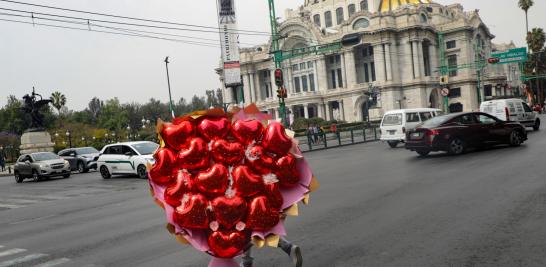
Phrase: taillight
x=507 y=114
x=404 y=129
x=430 y=135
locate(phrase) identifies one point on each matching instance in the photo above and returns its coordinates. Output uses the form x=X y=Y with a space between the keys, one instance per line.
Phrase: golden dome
x=388 y=5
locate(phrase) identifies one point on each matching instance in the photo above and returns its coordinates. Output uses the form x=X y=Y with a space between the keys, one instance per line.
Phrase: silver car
x=40 y=165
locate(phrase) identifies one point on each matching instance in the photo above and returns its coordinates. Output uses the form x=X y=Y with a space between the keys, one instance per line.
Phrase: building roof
x=389 y=5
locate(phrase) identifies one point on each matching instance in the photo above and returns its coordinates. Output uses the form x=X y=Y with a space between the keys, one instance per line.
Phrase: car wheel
x=18 y=178
x=515 y=138
x=393 y=144
x=35 y=176
x=456 y=147
x=81 y=167
x=536 y=127
x=423 y=153
x=66 y=175
x=104 y=172
x=142 y=172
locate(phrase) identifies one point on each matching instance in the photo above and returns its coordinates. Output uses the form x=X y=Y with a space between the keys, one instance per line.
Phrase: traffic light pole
x=277 y=57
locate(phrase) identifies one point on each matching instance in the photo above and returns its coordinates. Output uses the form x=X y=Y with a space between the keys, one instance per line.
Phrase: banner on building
x=229 y=39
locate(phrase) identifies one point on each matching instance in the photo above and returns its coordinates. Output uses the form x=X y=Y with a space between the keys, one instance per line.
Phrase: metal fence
x=341 y=138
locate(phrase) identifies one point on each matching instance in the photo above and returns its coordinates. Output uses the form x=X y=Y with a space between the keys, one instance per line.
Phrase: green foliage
x=58 y=100
x=525 y=4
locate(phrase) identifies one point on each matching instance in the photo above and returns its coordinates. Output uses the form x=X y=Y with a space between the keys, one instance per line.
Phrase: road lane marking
x=34 y=219
x=12 y=251
x=19 y=201
x=10 y=206
x=53 y=263
x=21 y=260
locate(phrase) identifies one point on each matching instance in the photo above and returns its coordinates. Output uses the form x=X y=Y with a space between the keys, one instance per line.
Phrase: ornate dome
x=388 y=5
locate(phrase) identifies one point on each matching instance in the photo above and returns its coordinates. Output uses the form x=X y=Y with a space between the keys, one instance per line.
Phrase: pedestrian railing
x=338 y=139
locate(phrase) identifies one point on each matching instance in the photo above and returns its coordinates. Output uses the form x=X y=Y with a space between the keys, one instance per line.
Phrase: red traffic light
x=282 y=93
x=279 y=81
x=493 y=60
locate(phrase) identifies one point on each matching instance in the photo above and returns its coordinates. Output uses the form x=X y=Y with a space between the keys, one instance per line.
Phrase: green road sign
x=511 y=56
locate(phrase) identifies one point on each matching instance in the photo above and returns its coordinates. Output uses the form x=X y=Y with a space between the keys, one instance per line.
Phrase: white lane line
x=21 y=260
x=11 y=251
x=19 y=201
x=10 y=206
x=53 y=263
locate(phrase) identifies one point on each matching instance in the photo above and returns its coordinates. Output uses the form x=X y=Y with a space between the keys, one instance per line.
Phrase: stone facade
x=398 y=57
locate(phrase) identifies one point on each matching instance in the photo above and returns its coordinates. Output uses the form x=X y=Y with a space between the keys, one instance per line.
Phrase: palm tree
x=525 y=5
x=58 y=100
x=536 y=39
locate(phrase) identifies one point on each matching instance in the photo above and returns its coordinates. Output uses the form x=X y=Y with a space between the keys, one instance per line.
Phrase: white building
x=398 y=56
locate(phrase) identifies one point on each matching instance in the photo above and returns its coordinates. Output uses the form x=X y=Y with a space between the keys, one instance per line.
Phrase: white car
x=126 y=158
x=512 y=110
x=396 y=123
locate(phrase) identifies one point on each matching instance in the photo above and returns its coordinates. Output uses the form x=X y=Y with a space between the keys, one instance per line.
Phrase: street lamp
x=114 y=137
x=128 y=132
x=84 y=140
x=69 y=138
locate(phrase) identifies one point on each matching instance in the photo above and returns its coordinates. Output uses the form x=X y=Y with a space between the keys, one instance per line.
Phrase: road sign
x=445 y=92
x=511 y=56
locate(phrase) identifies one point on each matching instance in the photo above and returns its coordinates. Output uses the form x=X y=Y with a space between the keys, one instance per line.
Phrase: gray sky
x=83 y=64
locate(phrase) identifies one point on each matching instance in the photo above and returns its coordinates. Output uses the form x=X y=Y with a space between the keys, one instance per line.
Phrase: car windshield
x=86 y=150
x=392 y=119
x=45 y=156
x=436 y=121
x=147 y=148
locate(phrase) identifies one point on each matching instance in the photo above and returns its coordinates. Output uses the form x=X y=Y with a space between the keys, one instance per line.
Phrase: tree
x=113 y=117
x=198 y=103
x=12 y=118
x=58 y=100
x=536 y=40
x=94 y=106
x=220 y=97
x=525 y=5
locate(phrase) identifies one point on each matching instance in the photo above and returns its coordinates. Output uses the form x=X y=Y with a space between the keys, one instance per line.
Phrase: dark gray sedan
x=81 y=159
x=40 y=165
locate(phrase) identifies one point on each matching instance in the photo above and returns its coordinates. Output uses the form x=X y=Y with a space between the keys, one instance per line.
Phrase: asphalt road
x=376 y=207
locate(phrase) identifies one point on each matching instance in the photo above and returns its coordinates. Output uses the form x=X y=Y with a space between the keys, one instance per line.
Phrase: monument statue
x=36 y=138
x=32 y=106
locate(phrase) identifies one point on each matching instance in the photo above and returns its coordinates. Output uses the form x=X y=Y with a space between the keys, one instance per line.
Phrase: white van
x=396 y=123
x=512 y=110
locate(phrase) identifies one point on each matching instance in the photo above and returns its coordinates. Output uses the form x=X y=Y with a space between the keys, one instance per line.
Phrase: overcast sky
x=84 y=64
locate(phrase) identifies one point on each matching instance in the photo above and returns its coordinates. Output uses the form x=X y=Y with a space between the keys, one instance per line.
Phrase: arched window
x=424 y=18
x=339 y=15
x=328 y=19
x=361 y=24
x=364 y=5
x=352 y=9
x=316 y=19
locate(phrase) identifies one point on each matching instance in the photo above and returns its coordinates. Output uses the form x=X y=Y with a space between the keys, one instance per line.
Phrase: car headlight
x=44 y=165
x=66 y=163
x=151 y=161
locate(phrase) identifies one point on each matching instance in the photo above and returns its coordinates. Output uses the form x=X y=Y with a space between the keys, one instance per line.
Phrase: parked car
x=81 y=159
x=456 y=132
x=126 y=158
x=396 y=123
x=40 y=165
x=512 y=110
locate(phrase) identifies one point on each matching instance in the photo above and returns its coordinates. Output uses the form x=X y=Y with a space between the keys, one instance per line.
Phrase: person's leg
x=247 y=259
x=292 y=250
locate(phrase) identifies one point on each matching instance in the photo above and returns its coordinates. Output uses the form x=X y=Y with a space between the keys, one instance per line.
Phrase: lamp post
x=69 y=138
x=106 y=138
x=84 y=140
x=169 y=85
x=114 y=137
x=128 y=132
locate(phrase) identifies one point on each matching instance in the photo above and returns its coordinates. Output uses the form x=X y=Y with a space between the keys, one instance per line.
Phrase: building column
x=388 y=59
x=328 y=111
x=246 y=89
x=320 y=111
x=321 y=74
x=258 y=87
x=316 y=74
x=416 y=65
x=350 y=68
x=252 y=87
x=379 y=63
x=341 y=110
x=306 y=111
x=273 y=86
x=277 y=114
x=433 y=60
x=420 y=60
x=343 y=70
x=288 y=79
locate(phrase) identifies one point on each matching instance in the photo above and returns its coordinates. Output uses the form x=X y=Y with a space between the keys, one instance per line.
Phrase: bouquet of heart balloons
x=227 y=179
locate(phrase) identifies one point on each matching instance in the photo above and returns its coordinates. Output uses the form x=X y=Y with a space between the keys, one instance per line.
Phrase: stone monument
x=36 y=138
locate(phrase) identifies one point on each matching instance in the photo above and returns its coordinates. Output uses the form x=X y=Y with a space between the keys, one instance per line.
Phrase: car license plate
x=415 y=135
x=392 y=132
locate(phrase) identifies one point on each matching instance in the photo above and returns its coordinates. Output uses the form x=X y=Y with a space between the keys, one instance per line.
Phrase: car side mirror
x=27 y=162
x=128 y=154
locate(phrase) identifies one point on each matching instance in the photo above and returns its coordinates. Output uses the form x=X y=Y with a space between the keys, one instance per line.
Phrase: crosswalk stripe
x=10 y=206
x=21 y=260
x=53 y=263
x=12 y=251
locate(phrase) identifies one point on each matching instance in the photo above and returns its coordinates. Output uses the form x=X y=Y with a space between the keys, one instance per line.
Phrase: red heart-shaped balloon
x=193 y=212
x=213 y=128
x=173 y=194
x=276 y=140
x=260 y=161
x=175 y=135
x=245 y=182
x=247 y=131
x=214 y=181
x=227 y=244
x=226 y=152
x=229 y=211
x=195 y=156
x=287 y=171
x=261 y=215
x=274 y=195
x=162 y=170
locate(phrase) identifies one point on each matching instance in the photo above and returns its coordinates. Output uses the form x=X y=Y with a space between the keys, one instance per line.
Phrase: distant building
x=398 y=57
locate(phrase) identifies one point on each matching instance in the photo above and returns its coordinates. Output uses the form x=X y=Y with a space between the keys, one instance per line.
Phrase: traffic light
x=279 y=81
x=493 y=60
x=282 y=93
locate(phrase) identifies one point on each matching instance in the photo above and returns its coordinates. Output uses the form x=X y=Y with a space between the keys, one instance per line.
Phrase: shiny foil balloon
x=273 y=194
x=214 y=128
x=228 y=243
x=193 y=212
x=175 y=135
x=162 y=171
x=287 y=171
x=195 y=156
x=245 y=182
x=183 y=185
x=214 y=181
x=261 y=215
x=260 y=161
x=276 y=140
x=226 y=152
x=248 y=131
x=229 y=211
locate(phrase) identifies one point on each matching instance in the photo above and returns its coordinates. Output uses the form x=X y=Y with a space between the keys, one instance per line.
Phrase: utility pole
x=278 y=60
x=169 y=85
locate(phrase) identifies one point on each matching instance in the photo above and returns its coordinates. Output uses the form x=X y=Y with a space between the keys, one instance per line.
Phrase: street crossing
x=20 y=257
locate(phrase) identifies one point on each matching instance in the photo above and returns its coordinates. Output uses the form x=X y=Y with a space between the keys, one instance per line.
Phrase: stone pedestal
x=36 y=142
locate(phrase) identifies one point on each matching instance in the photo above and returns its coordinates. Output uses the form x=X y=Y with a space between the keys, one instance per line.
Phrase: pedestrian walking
x=309 y=134
x=333 y=129
x=292 y=250
x=315 y=133
x=321 y=134
x=2 y=162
